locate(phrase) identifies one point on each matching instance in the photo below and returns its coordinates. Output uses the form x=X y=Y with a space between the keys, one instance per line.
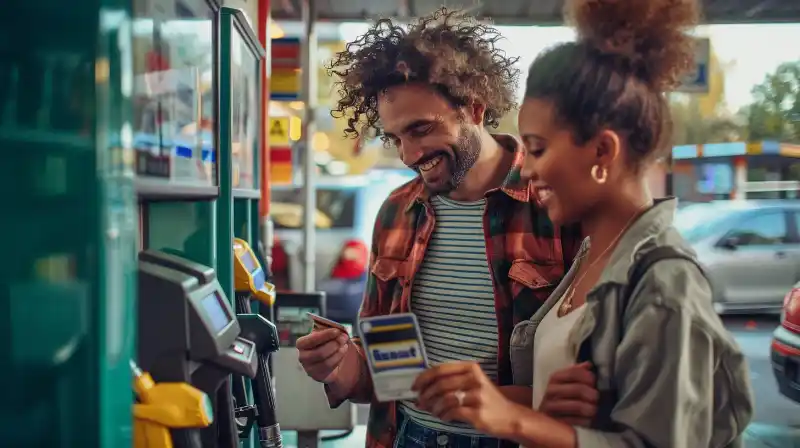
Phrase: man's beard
x=464 y=153
x=466 y=150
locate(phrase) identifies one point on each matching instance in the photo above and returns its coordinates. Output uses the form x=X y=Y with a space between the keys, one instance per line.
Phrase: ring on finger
x=460 y=395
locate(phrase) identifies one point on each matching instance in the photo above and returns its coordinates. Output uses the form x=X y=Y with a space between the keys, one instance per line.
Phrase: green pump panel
x=241 y=60
x=241 y=57
x=68 y=229
x=126 y=125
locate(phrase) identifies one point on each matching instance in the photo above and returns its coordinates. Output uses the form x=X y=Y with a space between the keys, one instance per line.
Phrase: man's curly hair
x=446 y=49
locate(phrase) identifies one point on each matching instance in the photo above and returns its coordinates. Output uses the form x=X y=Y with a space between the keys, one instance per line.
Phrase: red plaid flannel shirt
x=527 y=255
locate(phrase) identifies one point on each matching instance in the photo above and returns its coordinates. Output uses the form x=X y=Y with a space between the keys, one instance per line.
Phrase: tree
x=703 y=118
x=774 y=113
x=692 y=127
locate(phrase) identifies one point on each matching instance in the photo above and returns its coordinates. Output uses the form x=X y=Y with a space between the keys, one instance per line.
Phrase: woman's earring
x=599 y=174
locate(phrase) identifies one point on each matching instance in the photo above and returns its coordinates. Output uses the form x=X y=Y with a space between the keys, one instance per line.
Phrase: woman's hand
x=571 y=395
x=460 y=391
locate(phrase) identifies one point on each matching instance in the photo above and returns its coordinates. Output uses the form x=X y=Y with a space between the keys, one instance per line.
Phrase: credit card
x=322 y=323
x=395 y=354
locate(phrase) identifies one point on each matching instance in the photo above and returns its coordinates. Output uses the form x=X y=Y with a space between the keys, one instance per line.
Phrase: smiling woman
x=618 y=352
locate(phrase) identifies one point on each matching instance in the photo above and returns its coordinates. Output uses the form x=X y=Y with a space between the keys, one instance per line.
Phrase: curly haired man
x=464 y=245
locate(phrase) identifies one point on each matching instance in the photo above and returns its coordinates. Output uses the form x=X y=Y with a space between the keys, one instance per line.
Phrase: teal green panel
x=225 y=225
x=253 y=241
x=242 y=219
x=66 y=284
x=116 y=240
x=238 y=143
x=246 y=122
x=255 y=230
x=185 y=228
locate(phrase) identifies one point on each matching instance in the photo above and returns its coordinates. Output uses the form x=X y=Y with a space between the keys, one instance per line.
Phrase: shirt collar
x=648 y=226
x=513 y=186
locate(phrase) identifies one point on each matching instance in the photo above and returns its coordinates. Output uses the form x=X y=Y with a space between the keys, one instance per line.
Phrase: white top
x=453 y=298
x=551 y=350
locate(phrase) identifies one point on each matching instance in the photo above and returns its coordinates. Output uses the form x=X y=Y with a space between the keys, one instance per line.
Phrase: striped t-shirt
x=453 y=298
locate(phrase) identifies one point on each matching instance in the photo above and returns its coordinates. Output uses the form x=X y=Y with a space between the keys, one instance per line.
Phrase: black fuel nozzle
x=245 y=419
x=264 y=333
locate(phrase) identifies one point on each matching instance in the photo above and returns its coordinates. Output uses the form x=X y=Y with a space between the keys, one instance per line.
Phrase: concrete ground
x=777 y=419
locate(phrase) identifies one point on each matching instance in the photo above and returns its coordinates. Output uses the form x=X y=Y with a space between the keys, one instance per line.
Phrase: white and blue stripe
x=453 y=298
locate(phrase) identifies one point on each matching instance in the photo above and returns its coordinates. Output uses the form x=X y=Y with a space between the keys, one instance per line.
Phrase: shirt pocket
x=390 y=279
x=531 y=284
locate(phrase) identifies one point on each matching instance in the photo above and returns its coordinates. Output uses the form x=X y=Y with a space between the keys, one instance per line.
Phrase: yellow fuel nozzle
x=266 y=294
x=249 y=276
x=142 y=382
x=165 y=406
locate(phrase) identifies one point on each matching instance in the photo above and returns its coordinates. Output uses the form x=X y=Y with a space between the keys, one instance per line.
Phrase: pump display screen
x=215 y=312
x=258 y=280
x=248 y=262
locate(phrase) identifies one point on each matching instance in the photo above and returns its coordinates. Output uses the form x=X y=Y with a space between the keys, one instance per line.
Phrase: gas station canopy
x=522 y=12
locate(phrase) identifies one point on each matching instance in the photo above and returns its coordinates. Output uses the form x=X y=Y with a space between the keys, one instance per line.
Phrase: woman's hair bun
x=652 y=36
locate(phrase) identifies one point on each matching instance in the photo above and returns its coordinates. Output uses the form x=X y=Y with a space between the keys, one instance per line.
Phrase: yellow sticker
x=279 y=131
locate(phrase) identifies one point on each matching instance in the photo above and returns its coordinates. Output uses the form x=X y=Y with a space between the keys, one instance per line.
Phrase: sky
x=748 y=51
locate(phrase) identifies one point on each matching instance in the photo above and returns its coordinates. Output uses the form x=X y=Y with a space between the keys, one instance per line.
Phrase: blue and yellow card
x=395 y=354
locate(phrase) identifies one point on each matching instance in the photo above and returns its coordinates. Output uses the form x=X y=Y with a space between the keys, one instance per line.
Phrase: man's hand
x=321 y=352
x=571 y=395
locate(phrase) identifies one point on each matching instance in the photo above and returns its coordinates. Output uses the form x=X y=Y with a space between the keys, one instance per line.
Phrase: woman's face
x=560 y=169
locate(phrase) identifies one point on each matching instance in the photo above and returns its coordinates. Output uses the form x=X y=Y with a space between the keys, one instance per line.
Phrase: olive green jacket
x=676 y=376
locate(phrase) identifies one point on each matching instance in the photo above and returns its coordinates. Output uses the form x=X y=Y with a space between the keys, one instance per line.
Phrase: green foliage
x=691 y=126
x=775 y=111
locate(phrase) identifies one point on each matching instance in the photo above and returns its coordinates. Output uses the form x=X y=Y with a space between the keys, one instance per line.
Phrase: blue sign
x=715 y=178
x=697 y=80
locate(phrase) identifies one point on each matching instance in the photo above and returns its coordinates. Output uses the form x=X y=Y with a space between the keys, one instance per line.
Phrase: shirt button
x=442 y=440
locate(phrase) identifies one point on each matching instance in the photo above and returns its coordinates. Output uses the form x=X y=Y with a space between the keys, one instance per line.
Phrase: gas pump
x=189 y=333
x=165 y=406
x=249 y=283
x=249 y=276
x=256 y=330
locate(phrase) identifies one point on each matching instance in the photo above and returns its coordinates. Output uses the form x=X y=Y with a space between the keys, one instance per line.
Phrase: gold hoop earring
x=599 y=174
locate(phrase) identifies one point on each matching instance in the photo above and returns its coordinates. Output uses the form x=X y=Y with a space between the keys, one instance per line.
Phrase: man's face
x=431 y=136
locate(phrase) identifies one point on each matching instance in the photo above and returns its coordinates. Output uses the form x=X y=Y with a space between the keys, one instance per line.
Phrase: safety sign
x=279 y=131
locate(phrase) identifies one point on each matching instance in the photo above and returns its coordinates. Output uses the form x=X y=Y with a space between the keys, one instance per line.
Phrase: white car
x=750 y=249
x=346 y=212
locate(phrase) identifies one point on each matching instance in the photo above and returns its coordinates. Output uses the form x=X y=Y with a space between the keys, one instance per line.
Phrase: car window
x=762 y=229
x=336 y=208
x=698 y=221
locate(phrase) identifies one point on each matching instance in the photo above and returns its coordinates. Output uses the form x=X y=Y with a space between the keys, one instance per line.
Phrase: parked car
x=786 y=347
x=684 y=204
x=751 y=250
x=345 y=218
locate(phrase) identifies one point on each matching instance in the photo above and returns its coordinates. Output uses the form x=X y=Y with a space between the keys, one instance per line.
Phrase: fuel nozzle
x=169 y=405
x=249 y=275
x=135 y=369
x=142 y=382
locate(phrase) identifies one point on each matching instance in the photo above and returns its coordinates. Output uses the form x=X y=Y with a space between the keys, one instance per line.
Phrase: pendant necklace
x=566 y=304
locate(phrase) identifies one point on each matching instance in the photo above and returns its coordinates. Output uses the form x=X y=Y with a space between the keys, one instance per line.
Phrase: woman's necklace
x=566 y=304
